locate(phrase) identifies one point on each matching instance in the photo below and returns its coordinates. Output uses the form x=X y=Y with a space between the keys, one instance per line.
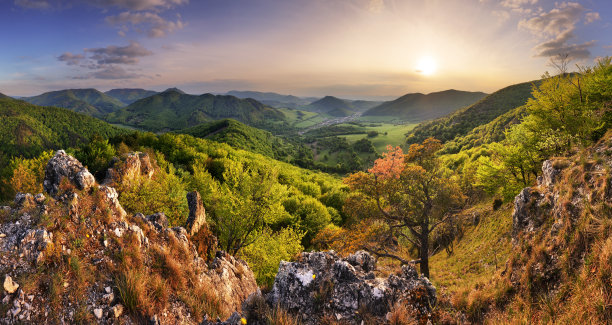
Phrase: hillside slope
x=239 y=135
x=332 y=106
x=86 y=101
x=173 y=110
x=26 y=129
x=464 y=120
x=129 y=95
x=420 y=107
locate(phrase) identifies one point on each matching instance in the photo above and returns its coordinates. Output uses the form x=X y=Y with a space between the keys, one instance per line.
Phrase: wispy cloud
x=591 y=17
x=151 y=23
x=138 y=4
x=556 y=27
x=107 y=61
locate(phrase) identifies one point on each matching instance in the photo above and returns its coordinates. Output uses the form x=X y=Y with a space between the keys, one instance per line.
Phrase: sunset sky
x=353 y=48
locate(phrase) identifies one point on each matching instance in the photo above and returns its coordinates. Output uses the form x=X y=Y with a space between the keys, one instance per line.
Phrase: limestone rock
x=9 y=285
x=549 y=173
x=323 y=284
x=98 y=313
x=63 y=166
x=132 y=165
x=197 y=214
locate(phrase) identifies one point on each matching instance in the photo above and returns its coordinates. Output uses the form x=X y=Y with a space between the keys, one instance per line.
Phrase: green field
x=395 y=135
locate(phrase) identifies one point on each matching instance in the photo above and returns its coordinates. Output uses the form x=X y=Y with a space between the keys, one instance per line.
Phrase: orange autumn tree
x=413 y=193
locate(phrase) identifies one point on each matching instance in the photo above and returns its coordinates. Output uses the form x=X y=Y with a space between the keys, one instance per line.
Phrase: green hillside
x=420 y=107
x=484 y=111
x=174 y=110
x=239 y=135
x=129 y=95
x=26 y=130
x=332 y=106
x=86 y=101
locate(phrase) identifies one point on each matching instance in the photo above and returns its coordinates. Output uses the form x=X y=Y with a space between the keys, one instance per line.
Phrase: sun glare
x=426 y=66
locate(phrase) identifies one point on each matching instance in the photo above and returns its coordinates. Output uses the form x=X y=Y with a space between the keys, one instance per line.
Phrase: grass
x=395 y=135
x=483 y=249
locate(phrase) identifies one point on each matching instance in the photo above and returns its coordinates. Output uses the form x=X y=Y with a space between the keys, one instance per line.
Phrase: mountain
x=332 y=106
x=86 y=101
x=363 y=105
x=174 y=110
x=2 y=96
x=273 y=99
x=484 y=111
x=420 y=107
x=239 y=135
x=27 y=130
x=129 y=95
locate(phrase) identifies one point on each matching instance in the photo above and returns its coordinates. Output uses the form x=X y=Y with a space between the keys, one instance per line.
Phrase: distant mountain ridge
x=174 y=110
x=129 y=95
x=420 y=107
x=273 y=99
x=468 y=119
x=87 y=101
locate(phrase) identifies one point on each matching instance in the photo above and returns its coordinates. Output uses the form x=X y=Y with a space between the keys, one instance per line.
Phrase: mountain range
x=420 y=107
x=86 y=101
x=173 y=110
x=274 y=99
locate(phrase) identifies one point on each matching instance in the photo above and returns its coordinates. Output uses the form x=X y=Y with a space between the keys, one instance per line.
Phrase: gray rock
x=197 y=214
x=549 y=173
x=98 y=313
x=63 y=166
x=323 y=284
x=159 y=218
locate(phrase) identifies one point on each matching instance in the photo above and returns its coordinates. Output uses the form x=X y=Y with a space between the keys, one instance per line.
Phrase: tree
x=414 y=195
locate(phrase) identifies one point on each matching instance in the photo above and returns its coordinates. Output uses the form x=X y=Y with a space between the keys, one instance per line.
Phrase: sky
x=366 y=49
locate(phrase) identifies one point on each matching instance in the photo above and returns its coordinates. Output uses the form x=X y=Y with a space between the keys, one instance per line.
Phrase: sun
x=426 y=66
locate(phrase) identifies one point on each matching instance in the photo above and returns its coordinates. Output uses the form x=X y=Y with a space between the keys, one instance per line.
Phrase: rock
x=321 y=284
x=154 y=320
x=24 y=199
x=197 y=214
x=112 y=199
x=39 y=198
x=520 y=216
x=132 y=165
x=159 y=218
x=63 y=166
x=108 y=289
x=9 y=285
x=549 y=173
x=98 y=313
x=117 y=310
x=232 y=278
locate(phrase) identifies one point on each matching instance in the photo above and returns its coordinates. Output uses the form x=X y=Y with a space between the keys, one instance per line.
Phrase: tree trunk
x=424 y=250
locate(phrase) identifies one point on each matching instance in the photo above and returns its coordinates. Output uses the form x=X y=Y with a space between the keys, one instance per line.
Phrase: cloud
x=107 y=61
x=557 y=27
x=136 y=4
x=33 y=4
x=590 y=17
x=152 y=23
x=119 y=54
x=501 y=15
x=71 y=59
x=519 y=5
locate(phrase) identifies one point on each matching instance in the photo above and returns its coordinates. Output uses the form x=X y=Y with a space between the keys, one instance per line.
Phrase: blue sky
x=349 y=48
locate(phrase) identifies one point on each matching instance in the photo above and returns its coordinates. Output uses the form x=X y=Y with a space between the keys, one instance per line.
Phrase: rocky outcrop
x=197 y=214
x=321 y=284
x=63 y=166
x=131 y=165
x=92 y=236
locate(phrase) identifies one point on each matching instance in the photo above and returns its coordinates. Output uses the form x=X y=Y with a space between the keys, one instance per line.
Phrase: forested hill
x=332 y=106
x=420 y=107
x=130 y=95
x=239 y=135
x=26 y=129
x=86 y=101
x=174 y=110
x=484 y=111
x=273 y=99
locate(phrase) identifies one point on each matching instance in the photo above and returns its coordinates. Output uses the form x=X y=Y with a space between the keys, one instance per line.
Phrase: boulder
x=197 y=214
x=63 y=166
x=325 y=285
x=132 y=165
x=9 y=285
x=549 y=173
